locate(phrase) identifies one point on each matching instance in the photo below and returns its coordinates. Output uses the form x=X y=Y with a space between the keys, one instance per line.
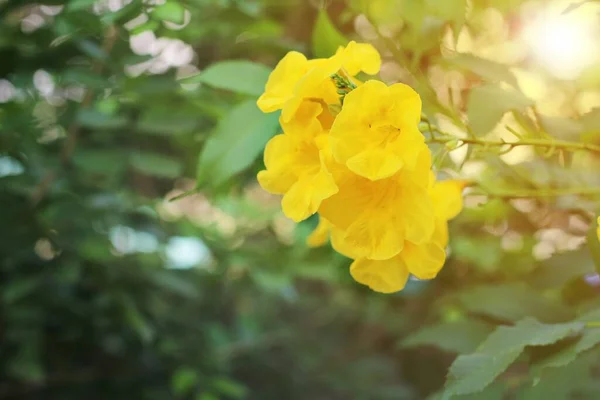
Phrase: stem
x=540 y=143
x=541 y=193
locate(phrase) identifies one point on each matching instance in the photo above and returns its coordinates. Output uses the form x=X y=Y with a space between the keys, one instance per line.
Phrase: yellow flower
x=598 y=229
x=360 y=57
x=296 y=79
x=377 y=217
x=282 y=81
x=320 y=235
x=422 y=260
x=376 y=134
x=326 y=230
x=295 y=162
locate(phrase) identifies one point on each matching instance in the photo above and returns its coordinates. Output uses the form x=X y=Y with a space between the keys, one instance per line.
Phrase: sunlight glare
x=563 y=43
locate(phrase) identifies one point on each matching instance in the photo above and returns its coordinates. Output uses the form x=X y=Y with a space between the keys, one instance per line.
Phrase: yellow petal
x=305 y=121
x=373 y=135
x=359 y=57
x=315 y=85
x=424 y=261
x=279 y=176
x=377 y=237
x=375 y=163
x=386 y=276
x=406 y=104
x=339 y=244
x=320 y=235
x=305 y=196
x=282 y=81
x=447 y=198
x=416 y=212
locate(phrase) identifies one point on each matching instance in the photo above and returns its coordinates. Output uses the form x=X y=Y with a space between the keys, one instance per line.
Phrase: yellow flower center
x=384 y=134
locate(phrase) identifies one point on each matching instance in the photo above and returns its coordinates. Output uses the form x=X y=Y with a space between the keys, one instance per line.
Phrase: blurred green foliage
x=110 y=109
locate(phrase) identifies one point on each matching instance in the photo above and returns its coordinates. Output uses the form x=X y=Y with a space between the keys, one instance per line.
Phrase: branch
x=549 y=144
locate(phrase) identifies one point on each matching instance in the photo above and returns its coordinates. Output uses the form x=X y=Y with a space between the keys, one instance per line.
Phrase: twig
x=551 y=145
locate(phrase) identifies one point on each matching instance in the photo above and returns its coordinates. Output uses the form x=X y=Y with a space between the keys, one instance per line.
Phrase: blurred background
x=109 y=109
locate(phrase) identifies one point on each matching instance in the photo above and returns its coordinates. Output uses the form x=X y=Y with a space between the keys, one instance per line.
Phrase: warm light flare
x=564 y=43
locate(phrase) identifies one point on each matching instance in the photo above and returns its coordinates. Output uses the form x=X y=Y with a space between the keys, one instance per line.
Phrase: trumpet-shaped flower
x=296 y=79
x=295 y=164
x=377 y=217
x=376 y=134
x=422 y=260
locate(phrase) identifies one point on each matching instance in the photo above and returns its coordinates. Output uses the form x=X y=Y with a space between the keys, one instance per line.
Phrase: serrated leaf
x=561 y=383
x=490 y=71
x=512 y=302
x=238 y=140
x=495 y=391
x=157 y=165
x=560 y=269
x=589 y=339
x=487 y=104
x=591 y=123
x=326 y=39
x=473 y=372
x=457 y=337
x=561 y=128
x=235 y=75
x=170 y=11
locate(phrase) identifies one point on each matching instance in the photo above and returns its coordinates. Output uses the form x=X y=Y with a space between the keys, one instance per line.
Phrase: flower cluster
x=352 y=152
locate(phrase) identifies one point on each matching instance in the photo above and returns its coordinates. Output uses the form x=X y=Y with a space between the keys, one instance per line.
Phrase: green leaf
x=166 y=122
x=238 y=140
x=561 y=128
x=137 y=321
x=512 y=302
x=591 y=123
x=487 y=104
x=170 y=11
x=326 y=39
x=450 y=10
x=457 y=337
x=238 y=76
x=100 y=161
x=589 y=339
x=473 y=372
x=91 y=118
x=593 y=244
x=184 y=380
x=76 y=5
x=26 y=365
x=561 y=269
x=229 y=388
x=156 y=165
x=92 y=49
x=589 y=78
x=562 y=383
x=489 y=70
